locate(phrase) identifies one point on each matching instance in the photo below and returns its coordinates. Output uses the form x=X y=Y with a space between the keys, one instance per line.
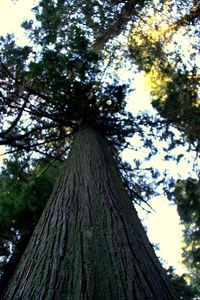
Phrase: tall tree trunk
x=89 y=242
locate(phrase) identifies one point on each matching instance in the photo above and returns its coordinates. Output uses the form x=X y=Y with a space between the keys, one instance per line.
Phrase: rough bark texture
x=89 y=242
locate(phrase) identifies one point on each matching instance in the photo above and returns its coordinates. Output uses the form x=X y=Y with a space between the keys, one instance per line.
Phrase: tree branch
x=116 y=26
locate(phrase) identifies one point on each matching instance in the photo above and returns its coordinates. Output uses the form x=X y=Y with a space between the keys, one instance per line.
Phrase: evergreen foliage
x=23 y=195
x=174 y=82
x=182 y=289
x=187 y=193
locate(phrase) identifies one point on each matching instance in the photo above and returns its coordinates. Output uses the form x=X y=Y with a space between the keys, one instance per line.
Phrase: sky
x=163 y=224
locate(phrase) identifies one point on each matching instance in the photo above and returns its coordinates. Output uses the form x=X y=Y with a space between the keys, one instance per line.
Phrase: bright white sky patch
x=163 y=228
x=12 y=15
x=140 y=98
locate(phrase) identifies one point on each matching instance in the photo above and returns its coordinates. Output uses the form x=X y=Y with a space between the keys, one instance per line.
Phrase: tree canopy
x=174 y=80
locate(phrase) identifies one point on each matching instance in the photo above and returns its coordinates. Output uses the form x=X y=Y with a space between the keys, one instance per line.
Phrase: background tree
x=187 y=193
x=174 y=80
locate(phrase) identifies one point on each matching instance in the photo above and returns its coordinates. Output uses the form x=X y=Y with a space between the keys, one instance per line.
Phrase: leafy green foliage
x=60 y=89
x=101 y=20
x=187 y=194
x=23 y=195
x=181 y=104
x=182 y=289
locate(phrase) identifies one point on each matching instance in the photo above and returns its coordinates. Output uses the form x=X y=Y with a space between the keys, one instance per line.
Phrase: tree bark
x=89 y=242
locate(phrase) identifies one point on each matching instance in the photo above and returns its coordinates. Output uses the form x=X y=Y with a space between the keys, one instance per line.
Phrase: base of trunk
x=89 y=242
